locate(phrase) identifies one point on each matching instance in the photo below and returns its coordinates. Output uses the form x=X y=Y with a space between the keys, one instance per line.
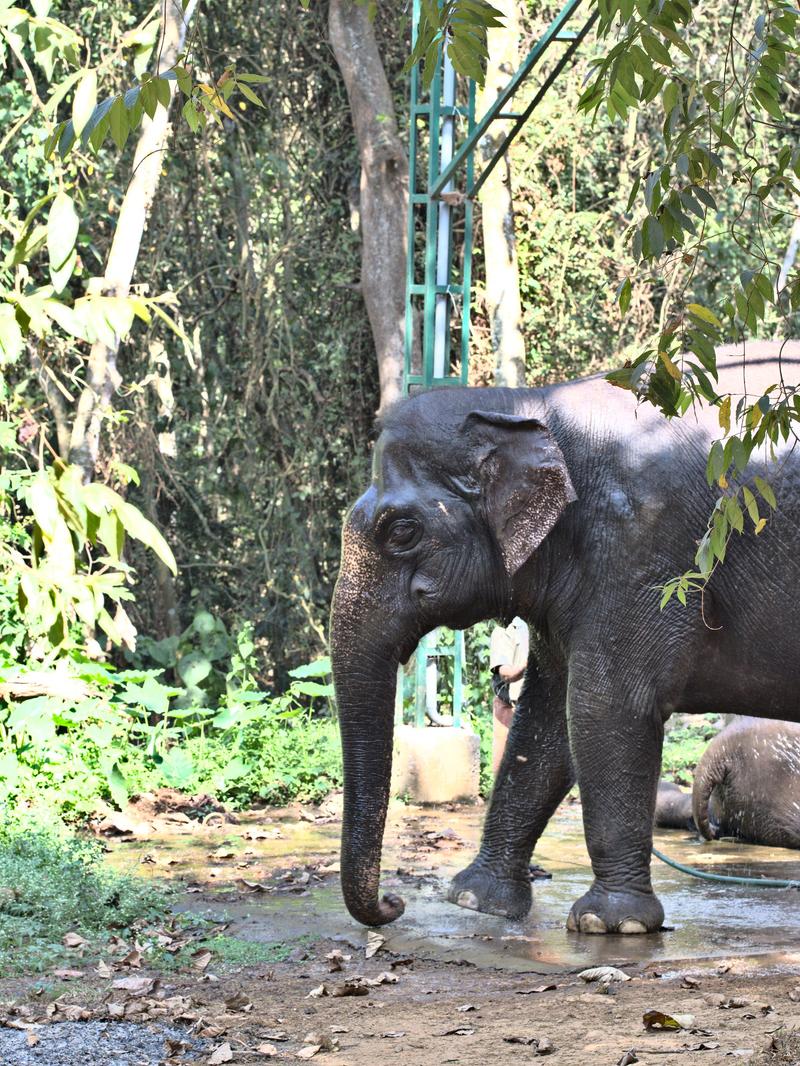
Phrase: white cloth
x=509 y=647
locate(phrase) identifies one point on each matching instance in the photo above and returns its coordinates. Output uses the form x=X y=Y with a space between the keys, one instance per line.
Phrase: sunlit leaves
x=65 y=578
x=84 y=101
x=11 y=342
x=120 y=115
x=63 y=224
x=707 y=179
x=463 y=25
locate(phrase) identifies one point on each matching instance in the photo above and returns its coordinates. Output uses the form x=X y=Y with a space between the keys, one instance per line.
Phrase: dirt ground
x=242 y=972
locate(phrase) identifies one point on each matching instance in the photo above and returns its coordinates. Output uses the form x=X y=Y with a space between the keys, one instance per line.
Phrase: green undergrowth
x=53 y=882
x=231 y=953
x=188 y=716
x=684 y=746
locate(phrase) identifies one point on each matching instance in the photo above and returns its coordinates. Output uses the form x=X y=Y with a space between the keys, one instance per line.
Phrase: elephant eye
x=402 y=534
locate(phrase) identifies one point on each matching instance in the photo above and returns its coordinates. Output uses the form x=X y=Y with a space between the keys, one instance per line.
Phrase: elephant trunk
x=365 y=680
x=709 y=773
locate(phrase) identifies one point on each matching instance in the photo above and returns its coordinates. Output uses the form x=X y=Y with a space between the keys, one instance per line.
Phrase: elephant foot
x=479 y=888
x=604 y=911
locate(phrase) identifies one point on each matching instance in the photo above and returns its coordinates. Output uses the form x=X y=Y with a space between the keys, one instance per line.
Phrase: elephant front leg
x=534 y=776
x=617 y=752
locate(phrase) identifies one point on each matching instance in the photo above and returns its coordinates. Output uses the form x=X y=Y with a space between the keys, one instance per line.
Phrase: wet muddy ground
x=266 y=964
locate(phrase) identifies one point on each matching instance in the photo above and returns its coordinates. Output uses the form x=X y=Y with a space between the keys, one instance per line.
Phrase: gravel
x=100 y=1043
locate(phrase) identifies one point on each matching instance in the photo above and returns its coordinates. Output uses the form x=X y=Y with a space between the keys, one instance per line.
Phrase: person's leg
x=502 y=713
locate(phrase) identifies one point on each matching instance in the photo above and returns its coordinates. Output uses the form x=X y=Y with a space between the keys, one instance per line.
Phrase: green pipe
x=761 y=882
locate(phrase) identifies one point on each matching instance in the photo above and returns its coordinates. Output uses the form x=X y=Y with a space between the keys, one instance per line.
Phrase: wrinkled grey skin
x=749 y=779
x=567 y=506
x=673 y=807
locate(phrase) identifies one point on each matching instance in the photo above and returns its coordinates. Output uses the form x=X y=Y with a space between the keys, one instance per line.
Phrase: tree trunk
x=497 y=207
x=384 y=187
x=103 y=377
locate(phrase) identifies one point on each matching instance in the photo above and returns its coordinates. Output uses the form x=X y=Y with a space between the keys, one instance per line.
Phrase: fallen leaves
x=316 y=1042
x=74 y=940
x=541 y=1044
x=136 y=986
x=604 y=974
x=353 y=986
x=224 y=1053
x=375 y=942
x=656 y=1019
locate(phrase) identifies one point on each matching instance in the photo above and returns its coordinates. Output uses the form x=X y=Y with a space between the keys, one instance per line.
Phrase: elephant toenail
x=468 y=899
x=591 y=923
x=572 y=925
x=631 y=925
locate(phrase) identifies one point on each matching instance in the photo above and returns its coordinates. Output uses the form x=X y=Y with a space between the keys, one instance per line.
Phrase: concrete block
x=436 y=764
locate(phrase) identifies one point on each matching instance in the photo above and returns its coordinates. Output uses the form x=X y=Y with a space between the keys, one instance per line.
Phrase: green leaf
x=751 y=504
x=652 y=238
x=62 y=231
x=704 y=314
x=11 y=342
x=317 y=668
x=84 y=101
x=163 y=91
x=624 y=295
x=766 y=491
x=770 y=105
x=733 y=512
x=177 y=768
x=191 y=115
x=312 y=688
x=118 y=123
x=248 y=93
x=194 y=668
x=656 y=50
x=140 y=528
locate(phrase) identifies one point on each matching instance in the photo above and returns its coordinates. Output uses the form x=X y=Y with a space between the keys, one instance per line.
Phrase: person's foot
x=538 y=873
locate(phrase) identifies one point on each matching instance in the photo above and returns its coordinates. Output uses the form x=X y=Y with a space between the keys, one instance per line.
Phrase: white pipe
x=446 y=146
x=431 y=678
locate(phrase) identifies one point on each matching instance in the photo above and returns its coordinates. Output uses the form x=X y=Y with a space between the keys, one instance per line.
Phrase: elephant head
x=464 y=489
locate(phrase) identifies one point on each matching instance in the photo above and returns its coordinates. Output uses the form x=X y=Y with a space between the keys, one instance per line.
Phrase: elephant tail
x=711 y=772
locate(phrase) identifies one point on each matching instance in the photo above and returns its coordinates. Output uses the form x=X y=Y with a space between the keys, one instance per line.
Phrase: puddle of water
x=709 y=921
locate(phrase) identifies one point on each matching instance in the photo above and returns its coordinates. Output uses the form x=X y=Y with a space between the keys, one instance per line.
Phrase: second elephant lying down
x=752 y=770
x=746 y=785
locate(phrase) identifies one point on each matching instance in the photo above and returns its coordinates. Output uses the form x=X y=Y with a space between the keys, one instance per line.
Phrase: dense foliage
x=52 y=884
x=241 y=424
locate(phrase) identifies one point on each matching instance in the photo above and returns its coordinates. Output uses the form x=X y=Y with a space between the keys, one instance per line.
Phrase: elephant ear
x=525 y=484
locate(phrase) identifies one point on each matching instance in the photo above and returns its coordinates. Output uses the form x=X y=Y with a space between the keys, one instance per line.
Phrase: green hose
x=761 y=882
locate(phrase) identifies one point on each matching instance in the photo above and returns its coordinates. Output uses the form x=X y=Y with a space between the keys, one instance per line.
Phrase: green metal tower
x=443 y=137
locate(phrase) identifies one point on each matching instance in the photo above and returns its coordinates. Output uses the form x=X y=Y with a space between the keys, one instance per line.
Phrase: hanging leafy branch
x=729 y=160
x=728 y=163
x=463 y=25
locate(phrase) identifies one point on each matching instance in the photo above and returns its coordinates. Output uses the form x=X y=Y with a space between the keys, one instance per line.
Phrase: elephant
x=568 y=506
x=673 y=807
x=747 y=784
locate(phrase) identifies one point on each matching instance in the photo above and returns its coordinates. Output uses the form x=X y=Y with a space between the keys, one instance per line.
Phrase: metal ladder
x=438 y=285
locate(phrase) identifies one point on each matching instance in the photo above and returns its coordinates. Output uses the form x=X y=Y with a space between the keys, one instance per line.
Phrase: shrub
x=52 y=882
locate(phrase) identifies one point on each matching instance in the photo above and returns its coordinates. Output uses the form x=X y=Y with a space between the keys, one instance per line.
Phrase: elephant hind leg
x=618 y=776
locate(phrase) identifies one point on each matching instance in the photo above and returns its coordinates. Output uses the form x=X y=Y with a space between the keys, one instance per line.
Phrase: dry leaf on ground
x=656 y=1019
x=604 y=974
x=375 y=942
x=74 y=940
x=136 y=986
x=224 y=1053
